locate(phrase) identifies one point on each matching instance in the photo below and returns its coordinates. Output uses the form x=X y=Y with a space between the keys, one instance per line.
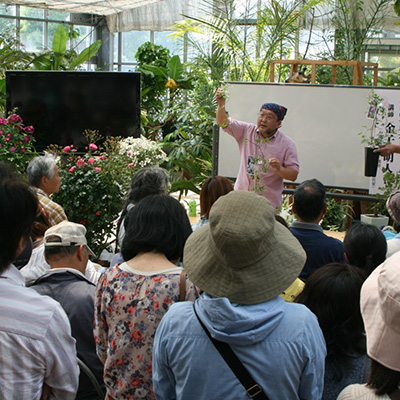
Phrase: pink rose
x=130 y=165
x=92 y=146
x=29 y=129
x=97 y=169
x=15 y=118
x=80 y=163
x=72 y=169
x=1 y=132
x=7 y=139
x=3 y=121
x=66 y=149
x=23 y=150
x=13 y=149
x=91 y=160
x=129 y=153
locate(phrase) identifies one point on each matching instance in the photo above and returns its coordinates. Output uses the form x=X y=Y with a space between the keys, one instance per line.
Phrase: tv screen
x=61 y=105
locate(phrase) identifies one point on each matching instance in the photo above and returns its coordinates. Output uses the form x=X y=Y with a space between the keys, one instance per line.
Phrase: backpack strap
x=253 y=389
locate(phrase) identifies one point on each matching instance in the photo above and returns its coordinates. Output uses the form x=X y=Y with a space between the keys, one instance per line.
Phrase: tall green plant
x=243 y=42
x=59 y=58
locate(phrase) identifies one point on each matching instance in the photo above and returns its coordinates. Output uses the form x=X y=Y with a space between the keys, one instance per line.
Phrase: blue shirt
x=320 y=248
x=281 y=345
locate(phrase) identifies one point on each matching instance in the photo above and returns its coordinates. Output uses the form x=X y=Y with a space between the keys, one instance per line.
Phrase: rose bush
x=16 y=142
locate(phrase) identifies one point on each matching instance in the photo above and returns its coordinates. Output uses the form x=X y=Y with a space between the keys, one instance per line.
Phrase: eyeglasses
x=267 y=117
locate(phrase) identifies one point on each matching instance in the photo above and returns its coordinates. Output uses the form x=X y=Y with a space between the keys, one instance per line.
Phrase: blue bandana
x=280 y=111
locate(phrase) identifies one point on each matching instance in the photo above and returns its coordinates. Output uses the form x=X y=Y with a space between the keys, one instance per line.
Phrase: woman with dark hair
x=131 y=298
x=365 y=247
x=332 y=293
x=212 y=189
x=380 y=309
x=147 y=181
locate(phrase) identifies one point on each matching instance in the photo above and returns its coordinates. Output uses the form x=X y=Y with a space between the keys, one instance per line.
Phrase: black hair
x=147 y=181
x=365 y=246
x=18 y=207
x=332 y=293
x=309 y=199
x=384 y=380
x=157 y=223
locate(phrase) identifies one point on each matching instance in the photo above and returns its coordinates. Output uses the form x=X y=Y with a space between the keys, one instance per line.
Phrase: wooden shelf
x=357 y=69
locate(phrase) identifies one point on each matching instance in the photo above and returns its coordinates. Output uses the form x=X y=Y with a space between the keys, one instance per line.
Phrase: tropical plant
x=239 y=39
x=16 y=142
x=153 y=86
x=336 y=211
x=59 y=58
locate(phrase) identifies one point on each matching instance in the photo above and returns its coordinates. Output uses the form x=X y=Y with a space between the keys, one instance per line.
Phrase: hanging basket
x=371 y=162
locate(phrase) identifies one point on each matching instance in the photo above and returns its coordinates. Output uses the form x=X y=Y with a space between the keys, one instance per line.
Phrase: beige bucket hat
x=380 y=309
x=243 y=253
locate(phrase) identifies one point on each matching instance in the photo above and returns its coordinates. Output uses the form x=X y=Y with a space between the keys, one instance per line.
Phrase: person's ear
x=81 y=252
x=324 y=209
x=43 y=181
x=294 y=209
x=346 y=257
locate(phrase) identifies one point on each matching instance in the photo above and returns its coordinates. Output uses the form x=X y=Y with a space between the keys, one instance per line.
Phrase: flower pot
x=378 y=221
x=371 y=162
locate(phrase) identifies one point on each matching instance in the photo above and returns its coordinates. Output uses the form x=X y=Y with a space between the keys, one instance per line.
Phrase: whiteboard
x=323 y=120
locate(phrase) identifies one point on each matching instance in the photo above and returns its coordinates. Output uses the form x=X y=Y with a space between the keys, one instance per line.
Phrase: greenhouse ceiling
x=98 y=7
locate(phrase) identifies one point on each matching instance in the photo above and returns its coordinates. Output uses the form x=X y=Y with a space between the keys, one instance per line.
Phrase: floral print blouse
x=129 y=305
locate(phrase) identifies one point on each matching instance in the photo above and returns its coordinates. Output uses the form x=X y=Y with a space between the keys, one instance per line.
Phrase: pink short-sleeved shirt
x=253 y=151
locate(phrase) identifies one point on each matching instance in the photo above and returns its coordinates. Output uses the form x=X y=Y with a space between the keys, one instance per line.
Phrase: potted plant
x=378 y=134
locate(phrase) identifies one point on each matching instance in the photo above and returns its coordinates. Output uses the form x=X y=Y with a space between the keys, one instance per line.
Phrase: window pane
x=86 y=37
x=31 y=12
x=6 y=24
x=175 y=46
x=7 y=10
x=32 y=34
x=131 y=42
x=58 y=15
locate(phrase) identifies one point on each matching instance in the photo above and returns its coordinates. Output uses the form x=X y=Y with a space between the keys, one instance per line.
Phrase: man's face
x=53 y=184
x=267 y=122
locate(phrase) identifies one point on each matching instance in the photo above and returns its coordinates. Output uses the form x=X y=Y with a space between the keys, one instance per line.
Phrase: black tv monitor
x=62 y=104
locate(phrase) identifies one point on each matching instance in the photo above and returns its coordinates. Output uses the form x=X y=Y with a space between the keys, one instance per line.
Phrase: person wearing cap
x=37 y=352
x=242 y=260
x=66 y=251
x=43 y=175
x=275 y=151
x=393 y=207
x=380 y=310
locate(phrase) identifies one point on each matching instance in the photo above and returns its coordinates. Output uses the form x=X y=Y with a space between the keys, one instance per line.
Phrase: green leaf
x=60 y=40
x=158 y=71
x=396 y=7
x=175 y=68
x=86 y=54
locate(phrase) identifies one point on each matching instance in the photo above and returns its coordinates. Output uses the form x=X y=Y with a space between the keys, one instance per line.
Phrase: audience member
x=146 y=182
x=243 y=259
x=309 y=206
x=131 y=298
x=365 y=247
x=43 y=175
x=37 y=354
x=380 y=309
x=212 y=188
x=393 y=207
x=66 y=252
x=332 y=293
x=37 y=265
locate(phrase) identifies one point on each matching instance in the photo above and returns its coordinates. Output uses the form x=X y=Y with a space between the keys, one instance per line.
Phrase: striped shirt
x=54 y=211
x=36 y=343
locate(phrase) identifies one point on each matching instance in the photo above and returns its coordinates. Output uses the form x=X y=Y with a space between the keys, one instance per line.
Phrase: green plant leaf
x=60 y=40
x=158 y=71
x=396 y=7
x=175 y=68
x=86 y=54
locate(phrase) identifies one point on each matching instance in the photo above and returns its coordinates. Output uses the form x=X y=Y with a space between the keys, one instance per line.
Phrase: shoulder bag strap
x=254 y=390
x=182 y=295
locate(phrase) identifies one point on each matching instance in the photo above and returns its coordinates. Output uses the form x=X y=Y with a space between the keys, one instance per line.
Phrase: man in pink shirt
x=267 y=156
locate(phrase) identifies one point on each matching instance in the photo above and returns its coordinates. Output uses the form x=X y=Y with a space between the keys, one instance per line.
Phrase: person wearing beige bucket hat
x=380 y=309
x=242 y=260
